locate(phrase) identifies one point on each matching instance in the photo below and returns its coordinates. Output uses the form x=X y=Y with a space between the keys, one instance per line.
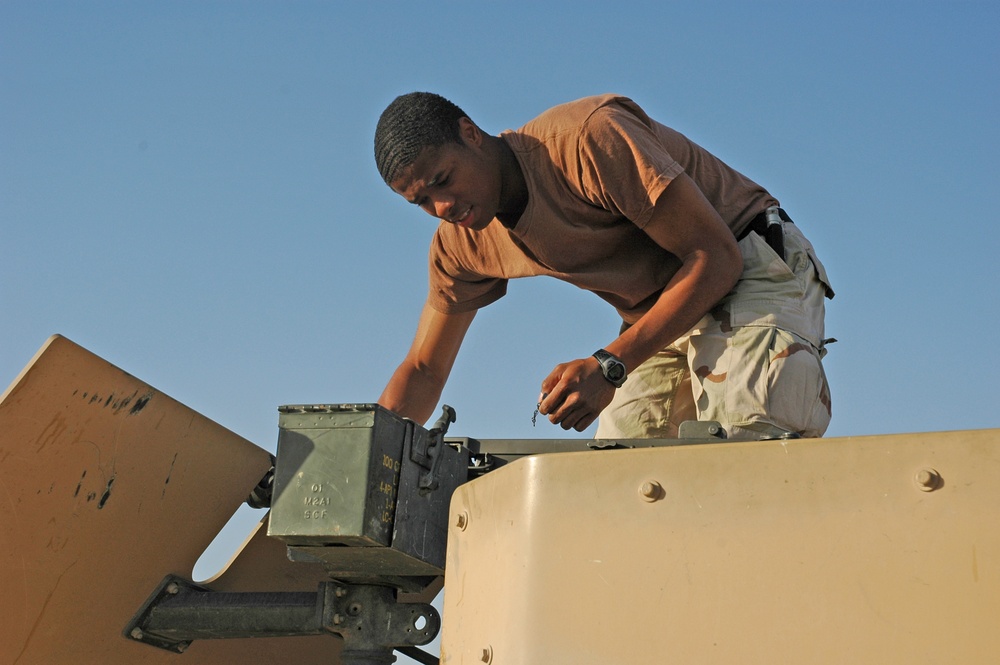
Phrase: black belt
x=767 y=225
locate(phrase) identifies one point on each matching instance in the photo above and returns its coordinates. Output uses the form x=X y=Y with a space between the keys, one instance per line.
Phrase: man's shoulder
x=584 y=107
x=574 y=115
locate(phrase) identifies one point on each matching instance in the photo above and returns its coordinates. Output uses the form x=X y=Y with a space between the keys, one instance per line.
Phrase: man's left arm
x=685 y=224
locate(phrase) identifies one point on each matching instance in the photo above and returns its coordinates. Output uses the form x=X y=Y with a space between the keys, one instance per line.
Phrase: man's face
x=454 y=182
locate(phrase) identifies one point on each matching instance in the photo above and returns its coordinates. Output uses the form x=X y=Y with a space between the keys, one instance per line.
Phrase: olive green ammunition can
x=337 y=474
x=365 y=492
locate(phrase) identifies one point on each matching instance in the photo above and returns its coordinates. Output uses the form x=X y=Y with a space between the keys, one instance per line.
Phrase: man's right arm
x=416 y=385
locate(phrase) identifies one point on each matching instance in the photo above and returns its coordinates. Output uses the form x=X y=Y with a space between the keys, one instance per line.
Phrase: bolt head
x=651 y=491
x=136 y=634
x=928 y=479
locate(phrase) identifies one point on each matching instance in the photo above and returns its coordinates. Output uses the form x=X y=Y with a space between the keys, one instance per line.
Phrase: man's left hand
x=575 y=393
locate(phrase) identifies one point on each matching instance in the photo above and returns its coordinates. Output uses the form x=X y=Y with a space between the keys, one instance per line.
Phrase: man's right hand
x=577 y=392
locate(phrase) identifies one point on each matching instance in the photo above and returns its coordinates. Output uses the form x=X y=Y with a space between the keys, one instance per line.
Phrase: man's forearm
x=687 y=226
x=702 y=281
x=412 y=393
x=417 y=384
x=576 y=392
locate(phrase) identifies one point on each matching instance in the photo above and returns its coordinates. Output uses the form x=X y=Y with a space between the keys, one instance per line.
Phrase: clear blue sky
x=188 y=189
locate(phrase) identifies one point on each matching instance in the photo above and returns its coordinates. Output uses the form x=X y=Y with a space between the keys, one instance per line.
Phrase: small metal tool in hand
x=534 y=416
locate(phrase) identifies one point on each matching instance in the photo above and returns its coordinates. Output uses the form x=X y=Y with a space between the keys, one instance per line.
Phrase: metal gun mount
x=365 y=493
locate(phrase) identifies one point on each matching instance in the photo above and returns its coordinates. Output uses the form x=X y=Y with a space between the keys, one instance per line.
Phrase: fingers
x=553 y=391
x=552 y=380
x=573 y=397
x=571 y=413
x=577 y=419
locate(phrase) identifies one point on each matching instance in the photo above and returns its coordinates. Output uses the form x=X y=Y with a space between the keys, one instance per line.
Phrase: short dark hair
x=411 y=123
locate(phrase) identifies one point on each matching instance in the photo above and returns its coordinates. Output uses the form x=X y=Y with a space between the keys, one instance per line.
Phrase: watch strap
x=612 y=367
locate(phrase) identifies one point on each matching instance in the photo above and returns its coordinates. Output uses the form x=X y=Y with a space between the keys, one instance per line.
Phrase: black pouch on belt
x=768 y=226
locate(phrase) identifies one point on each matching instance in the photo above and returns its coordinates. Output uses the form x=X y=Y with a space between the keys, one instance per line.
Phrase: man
x=719 y=321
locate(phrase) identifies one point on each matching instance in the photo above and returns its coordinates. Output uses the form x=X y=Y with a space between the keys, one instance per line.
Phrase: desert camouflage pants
x=753 y=363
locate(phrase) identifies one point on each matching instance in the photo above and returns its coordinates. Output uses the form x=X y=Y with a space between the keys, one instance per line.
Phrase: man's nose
x=443 y=206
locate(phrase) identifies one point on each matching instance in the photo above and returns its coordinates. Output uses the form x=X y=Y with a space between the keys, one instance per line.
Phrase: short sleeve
x=455 y=289
x=624 y=167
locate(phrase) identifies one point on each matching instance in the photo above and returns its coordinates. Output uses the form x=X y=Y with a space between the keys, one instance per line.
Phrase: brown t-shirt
x=594 y=169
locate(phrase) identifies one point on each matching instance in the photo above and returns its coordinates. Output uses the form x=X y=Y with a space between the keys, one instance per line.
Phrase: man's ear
x=470 y=133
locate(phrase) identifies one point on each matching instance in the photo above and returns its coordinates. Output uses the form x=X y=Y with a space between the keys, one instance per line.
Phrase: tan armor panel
x=108 y=485
x=855 y=550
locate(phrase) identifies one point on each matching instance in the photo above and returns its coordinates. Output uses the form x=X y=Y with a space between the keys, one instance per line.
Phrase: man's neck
x=513 y=187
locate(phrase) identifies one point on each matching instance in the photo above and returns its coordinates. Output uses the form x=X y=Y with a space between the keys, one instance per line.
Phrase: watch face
x=615 y=371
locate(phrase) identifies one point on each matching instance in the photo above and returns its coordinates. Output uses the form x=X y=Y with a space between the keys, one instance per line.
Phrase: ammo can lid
x=312 y=416
x=328 y=408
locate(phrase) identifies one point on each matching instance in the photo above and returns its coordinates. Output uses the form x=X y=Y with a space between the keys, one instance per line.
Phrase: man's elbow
x=721 y=267
x=733 y=265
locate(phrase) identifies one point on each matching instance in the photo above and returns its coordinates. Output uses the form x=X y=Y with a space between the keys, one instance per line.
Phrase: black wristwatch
x=613 y=368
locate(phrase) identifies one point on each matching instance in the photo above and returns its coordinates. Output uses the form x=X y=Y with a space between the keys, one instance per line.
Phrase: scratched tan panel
x=109 y=485
x=811 y=551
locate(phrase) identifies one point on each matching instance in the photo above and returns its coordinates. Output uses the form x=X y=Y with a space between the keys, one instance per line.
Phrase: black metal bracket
x=260 y=496
x=368 y=618
x=429 y=481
